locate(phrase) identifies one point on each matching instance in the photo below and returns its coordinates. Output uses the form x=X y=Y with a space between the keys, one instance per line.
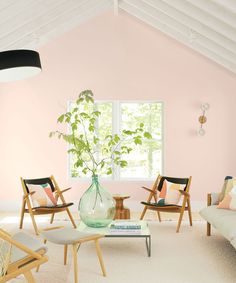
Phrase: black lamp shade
x=19 y=64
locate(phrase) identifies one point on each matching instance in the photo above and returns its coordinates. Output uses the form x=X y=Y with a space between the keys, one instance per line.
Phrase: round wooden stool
x=121 y=211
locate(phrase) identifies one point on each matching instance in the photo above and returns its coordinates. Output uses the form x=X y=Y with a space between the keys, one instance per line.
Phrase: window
x=145 y=161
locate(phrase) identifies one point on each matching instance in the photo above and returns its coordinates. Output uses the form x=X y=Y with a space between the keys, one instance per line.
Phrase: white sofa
x=223 y=220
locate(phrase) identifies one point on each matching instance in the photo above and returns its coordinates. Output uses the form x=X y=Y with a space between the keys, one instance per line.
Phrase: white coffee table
x=107 y=232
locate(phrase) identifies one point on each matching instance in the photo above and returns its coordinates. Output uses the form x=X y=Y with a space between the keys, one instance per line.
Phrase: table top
x=108 y=232
x=120 y=196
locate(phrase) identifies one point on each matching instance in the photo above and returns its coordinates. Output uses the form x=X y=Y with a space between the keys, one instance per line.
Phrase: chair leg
x=52 y=218
x=159 y=216
x=143 y=213
x=34 y=224
x=208 y=229
x=99 y=254
x=29 y=277
x=22 y=213
x=65 y=254
x=180 y=220
x=181 y=214
x=189 y=212
x=75 y=263
x=71 y=218
x=37 y=268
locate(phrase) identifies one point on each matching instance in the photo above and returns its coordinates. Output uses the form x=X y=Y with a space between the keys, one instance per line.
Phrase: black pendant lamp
x=19 y=64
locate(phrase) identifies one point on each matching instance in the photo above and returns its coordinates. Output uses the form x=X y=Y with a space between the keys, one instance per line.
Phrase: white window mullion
x=116 y=116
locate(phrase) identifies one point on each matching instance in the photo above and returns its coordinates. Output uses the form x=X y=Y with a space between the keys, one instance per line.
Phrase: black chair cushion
x=40 y=181
x=160 y=203
x=182 y=181
x=56 y=206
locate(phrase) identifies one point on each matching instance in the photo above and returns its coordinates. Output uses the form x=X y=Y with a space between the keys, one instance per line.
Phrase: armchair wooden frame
x=26 y=202
x=23 y=266
x=186 y=206
x=208 y=224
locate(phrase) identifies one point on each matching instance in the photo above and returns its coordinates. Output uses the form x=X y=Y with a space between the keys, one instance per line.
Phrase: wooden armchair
x=27 y=206
x=19 y=255
x=160 y=206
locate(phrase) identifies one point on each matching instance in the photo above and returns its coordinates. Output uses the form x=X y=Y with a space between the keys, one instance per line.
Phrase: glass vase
x=96 y=206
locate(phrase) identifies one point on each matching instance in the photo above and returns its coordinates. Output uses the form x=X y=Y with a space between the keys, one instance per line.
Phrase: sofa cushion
x=222 y=219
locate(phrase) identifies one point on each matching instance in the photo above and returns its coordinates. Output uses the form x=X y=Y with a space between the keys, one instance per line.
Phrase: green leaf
x=117 y=152
x=127 y=132
x=97 y=113
x=129 y=149
x=92 y=120
x=123 y=163
x=141 y=125
x=73 y=126
x=79 y=163
x=72 y=150
x=85 y=170
x=147 y=135
x=137 y=140
x=108 y=137
x=51 y=134
x=75 y=109
x=116 y=138
x=80 y=100
x=61 y=118
x=91 y=128
x=109 y=171
x=95 y=140
x=84 y=115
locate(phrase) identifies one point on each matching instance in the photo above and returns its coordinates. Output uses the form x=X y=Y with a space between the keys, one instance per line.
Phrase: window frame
x=116 y=126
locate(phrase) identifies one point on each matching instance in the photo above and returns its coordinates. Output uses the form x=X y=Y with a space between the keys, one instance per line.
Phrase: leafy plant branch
x=84 y=138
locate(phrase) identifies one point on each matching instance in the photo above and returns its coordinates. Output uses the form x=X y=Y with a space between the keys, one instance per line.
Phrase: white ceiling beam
x=192 y=24
x=181 y=28
x=29 y=27
x=227 y=4
x=116 y=7
x=21 y=10
x=34 y=16
x=178 y=36
x=203 y=17
x=57 y=27
x=216 y=11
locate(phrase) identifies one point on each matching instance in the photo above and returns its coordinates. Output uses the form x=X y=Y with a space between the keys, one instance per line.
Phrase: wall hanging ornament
x=203 y=119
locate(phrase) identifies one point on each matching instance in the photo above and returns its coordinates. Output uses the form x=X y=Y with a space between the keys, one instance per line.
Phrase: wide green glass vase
x=96 y=206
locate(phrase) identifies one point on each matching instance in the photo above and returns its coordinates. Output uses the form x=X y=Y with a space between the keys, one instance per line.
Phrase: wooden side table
x=121 y=211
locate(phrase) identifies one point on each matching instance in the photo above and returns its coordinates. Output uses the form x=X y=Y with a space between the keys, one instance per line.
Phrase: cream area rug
x=187 y=257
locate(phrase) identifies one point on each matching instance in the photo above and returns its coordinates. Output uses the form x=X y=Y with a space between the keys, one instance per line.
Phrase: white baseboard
x=135 y=206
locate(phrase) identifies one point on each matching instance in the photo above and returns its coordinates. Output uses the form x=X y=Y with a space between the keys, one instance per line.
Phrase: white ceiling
x=207 y=26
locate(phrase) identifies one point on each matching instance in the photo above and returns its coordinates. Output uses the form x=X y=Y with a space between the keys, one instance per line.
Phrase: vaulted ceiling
x=207 y=26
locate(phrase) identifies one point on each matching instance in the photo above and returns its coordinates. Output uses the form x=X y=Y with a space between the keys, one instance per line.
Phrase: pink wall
x=119 y=58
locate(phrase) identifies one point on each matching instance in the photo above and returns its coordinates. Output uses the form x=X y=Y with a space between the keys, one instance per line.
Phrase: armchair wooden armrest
x=62 y=191
x=149 y=190
x=184 y=193
x=65 y=190
x=29 y=194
